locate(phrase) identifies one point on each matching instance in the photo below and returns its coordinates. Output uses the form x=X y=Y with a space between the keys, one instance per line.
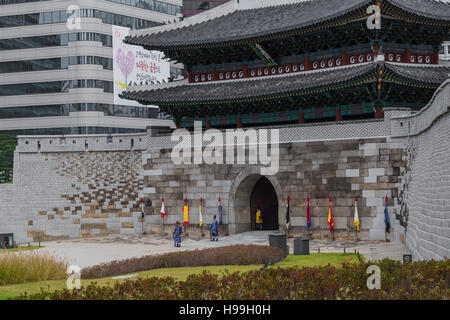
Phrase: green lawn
x=316 y=259
x=21 y=248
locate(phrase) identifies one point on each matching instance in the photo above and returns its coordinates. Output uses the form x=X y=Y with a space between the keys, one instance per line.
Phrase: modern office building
x=56 y=61
x=192 y=7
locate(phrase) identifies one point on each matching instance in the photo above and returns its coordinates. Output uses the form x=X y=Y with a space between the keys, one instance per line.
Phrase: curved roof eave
x=255 y=24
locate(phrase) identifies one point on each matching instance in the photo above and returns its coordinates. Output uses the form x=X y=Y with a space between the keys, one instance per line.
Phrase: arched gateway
x=249 y=191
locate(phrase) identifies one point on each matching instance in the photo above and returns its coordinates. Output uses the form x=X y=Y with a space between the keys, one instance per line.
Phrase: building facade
x=193 y=7
x=57 y=78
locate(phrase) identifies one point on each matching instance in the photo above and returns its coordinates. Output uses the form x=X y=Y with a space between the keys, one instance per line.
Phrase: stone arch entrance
x=239 y=206
x=264 y=198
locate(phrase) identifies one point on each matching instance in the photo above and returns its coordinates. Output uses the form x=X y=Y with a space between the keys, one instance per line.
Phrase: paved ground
x=88 y=252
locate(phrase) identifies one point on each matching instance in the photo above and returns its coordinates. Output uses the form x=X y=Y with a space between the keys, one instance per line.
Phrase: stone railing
x=77 y=143
x=309 y=132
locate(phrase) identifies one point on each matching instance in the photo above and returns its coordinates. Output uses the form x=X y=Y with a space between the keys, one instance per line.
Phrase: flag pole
x=163 y=216
x=201 y=215
x=308 y=218
x=287 y=217
x=142 y=214
x=186 y=222
x=356 y=227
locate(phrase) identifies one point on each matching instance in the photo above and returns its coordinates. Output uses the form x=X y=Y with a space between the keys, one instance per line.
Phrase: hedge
x=222 y=256
x=417 y=281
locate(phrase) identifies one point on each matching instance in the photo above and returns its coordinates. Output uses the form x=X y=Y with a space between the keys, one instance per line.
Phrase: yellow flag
x=186 y=215
x=200 y=213
x=356 y=218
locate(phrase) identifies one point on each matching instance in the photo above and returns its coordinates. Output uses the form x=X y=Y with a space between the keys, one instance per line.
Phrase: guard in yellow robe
x=259 y=220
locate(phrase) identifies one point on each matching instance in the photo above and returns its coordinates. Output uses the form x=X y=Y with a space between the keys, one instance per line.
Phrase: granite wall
x=424 y=197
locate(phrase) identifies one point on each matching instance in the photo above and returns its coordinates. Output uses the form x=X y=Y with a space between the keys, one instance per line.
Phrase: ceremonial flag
x=200 y=213
x=287 y=213
x=163 y=211
x=185 y=213
x=308 y=215
x=330 y=217
x=220 y=211
x=386 y=217
x=356 y=218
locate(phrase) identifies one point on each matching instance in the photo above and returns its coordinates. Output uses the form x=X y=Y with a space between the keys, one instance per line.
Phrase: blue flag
x=220 y=211
x=386 y=217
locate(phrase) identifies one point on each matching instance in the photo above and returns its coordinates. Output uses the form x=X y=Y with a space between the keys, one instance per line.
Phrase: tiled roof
x=259 y=22
x=241 y=90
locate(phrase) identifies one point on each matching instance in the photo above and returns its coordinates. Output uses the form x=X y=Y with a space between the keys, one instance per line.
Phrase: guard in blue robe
x=177 y=235
x=214 y=230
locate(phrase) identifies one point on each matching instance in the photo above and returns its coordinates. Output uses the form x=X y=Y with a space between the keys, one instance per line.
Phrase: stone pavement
x=88 y=252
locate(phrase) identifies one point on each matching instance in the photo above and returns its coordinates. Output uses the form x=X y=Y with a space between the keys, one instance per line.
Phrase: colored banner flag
x=288 y=218
x=386 y=217
x=308 y=215
x=330 y=217
x=220 y=211
x=356 y=218
x=185 y=213
x=200 y=213
x=163 y=210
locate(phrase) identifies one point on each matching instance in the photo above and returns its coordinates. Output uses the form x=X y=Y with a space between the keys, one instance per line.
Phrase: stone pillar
x=301 y=117
x=338 y=115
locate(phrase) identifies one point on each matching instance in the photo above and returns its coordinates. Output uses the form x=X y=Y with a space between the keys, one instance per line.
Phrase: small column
x=379 y=114
x=208 y=124
x=191 y=76
x=435 y=59
x=239 y=123
x=407 y=58
x=307 y=63
x=214 y=74
x=301 y=117
x=246 y=71
x=344 y=58
x=338 y=115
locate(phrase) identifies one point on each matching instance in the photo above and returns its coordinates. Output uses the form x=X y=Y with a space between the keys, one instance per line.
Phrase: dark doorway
x=264 y=197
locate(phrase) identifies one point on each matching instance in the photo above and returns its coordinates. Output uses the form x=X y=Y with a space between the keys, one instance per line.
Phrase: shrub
x=232 y=255
x=30 y=267
x=421 y=280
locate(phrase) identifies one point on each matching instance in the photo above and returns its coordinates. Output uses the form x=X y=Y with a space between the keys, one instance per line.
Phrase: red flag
x=330 y=217
x=163 y=210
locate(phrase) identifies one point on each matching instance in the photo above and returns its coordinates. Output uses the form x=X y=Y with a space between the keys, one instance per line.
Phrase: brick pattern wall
x=72 y=195
x=342 y=169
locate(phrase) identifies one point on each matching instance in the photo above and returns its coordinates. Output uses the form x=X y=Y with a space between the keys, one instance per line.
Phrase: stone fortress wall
x=74 y=186
x=88 y=186
x=424 y=192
